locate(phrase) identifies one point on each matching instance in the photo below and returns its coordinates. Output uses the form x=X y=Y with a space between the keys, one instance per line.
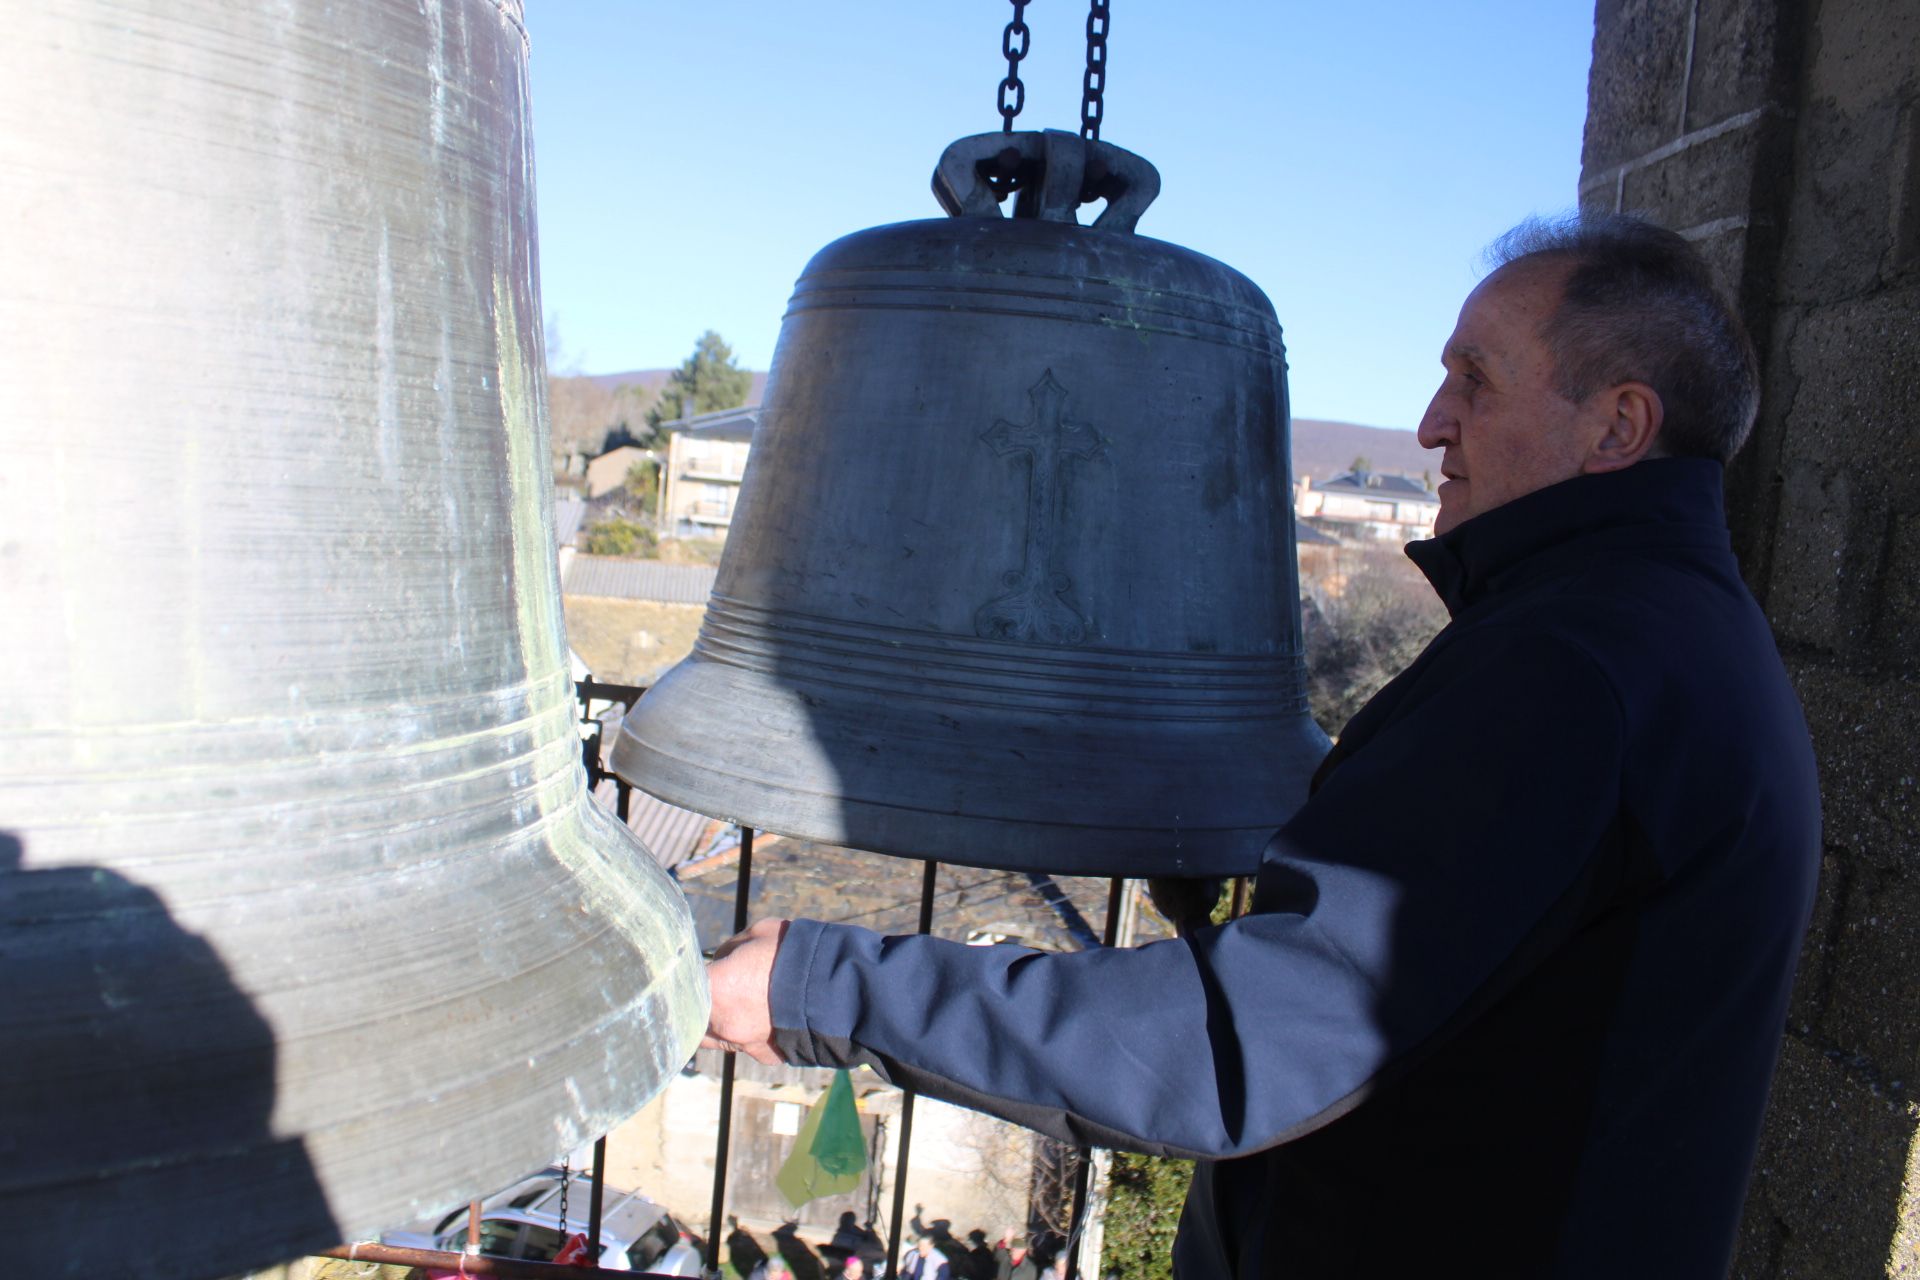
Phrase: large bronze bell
x=1011 y=581
x=307 y=926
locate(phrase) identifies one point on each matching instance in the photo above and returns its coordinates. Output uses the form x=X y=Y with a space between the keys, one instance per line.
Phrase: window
x=497 y=1235
x=653 y=1246
x=540 y=1244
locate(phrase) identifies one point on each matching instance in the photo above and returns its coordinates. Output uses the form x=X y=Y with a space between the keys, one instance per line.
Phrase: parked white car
x=523 y=1221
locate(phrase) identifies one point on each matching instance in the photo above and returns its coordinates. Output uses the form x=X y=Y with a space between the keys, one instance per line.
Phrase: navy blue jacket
x=1515 y=976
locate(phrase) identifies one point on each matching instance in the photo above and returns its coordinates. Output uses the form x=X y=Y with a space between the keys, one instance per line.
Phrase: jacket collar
x=1659 y=500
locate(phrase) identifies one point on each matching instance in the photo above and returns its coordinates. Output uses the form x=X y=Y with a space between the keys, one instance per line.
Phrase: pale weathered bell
x=307 y=927
x=1012 y=580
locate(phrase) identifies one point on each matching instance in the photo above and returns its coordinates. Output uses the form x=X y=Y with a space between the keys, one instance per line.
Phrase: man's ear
x=1630 y=430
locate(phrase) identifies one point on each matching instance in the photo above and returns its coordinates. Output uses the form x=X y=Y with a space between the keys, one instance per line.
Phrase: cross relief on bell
x=1039 y=608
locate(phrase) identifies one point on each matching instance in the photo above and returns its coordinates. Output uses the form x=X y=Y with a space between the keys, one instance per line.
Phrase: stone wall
x=1783 y=136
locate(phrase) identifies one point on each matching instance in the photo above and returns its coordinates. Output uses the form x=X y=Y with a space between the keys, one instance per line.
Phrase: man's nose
x=1438 y=426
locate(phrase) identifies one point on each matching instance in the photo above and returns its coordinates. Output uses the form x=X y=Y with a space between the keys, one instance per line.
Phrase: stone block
x=1864 y=728
x=1602 y=194
x=1864 y=54
x=1897 y=627
x=1705 y=181
x=1736 y=59
x=1859 y=989
x=1841 y=219
x=1906 y=234
x=1847 y=378
x=1858 y=366
x=1872 y=1011
x=1903 y=1259
x=1813 y=980
x=1830 y=1184
x=1636 y=82
x=1726 y=253
x=1808 y=559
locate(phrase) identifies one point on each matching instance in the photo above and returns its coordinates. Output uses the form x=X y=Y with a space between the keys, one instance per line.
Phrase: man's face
x=855 y=1268
x=1503 y=429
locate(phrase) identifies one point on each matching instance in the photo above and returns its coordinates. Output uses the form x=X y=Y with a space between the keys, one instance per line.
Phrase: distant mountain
x=654 y=379
x=1320 y=448
x=1324 y=449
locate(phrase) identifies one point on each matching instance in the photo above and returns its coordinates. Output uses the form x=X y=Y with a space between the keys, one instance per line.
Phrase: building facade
x=706 y=460
x=1359 y=504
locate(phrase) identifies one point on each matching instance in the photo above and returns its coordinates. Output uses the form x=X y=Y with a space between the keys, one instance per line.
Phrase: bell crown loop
x=1050 y=173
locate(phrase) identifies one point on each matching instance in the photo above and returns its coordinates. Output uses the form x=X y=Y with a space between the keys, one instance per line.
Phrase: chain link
x=566 y=1176
x=1094 y=83
x=1013 y=94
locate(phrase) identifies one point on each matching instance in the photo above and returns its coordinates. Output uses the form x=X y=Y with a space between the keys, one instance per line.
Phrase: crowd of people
x=856 y=1252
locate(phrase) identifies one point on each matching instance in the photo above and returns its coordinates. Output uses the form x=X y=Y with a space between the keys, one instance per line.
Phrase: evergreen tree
x=707 y=380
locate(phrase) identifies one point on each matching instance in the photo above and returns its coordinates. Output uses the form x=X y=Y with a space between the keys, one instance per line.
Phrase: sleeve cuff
x=787 y=991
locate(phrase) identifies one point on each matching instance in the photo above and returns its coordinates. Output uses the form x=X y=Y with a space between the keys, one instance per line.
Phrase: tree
x=619 y=537
x=707 y=380
x=1361 y=462
x=590 y=419
x=1144 y=1202
x=1363 y=626
x=1146 y=1194
x=643 y=484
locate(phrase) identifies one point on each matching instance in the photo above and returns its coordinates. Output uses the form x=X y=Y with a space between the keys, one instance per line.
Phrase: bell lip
x=707 y=780
x=895 y=831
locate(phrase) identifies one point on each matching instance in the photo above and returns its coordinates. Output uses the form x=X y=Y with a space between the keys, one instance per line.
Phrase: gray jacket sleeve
x=1398 y=896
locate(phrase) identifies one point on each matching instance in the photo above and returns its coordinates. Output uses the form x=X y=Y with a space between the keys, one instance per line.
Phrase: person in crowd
x=927 y=1262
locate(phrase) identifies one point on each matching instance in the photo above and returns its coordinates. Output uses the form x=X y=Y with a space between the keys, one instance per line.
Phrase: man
x=1012 y=1262
x=1513 y=983
x=927 y=1262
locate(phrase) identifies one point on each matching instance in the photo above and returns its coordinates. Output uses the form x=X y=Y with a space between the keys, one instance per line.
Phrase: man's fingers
x=739 y=976
x=758 y=929
x=763 y=1053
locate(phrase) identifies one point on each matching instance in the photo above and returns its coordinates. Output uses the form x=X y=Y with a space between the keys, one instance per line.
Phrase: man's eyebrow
x=1467 y=351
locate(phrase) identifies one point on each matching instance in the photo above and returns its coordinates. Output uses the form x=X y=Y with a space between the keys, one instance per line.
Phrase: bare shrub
x=1367 y=615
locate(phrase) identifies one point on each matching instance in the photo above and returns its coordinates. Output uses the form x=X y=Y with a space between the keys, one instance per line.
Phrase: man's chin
x=1453 y=505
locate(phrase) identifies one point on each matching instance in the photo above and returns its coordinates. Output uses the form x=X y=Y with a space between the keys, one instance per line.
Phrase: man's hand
x=741 y=977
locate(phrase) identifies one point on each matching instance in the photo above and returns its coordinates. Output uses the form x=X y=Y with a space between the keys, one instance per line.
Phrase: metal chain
x=1016 y=29
x=566 y=1175
x=1094 y=84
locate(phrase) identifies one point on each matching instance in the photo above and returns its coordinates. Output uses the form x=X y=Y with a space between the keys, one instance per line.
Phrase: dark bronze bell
x=1011 y=582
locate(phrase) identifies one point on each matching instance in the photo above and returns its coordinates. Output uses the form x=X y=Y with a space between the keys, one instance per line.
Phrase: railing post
x=715 y=1222
x=1083 y=1175
x=594 y=1199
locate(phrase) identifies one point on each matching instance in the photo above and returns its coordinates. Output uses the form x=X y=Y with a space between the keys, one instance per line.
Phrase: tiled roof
x=671 y=834
x=722 y=424
x=618 y=579
x=1388 y=484
x=567 y=514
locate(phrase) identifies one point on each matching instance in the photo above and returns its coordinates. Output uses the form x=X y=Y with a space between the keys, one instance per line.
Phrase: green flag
x=829 y=1152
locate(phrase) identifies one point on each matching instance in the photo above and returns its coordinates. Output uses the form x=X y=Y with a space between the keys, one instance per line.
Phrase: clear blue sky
x=1352 y=158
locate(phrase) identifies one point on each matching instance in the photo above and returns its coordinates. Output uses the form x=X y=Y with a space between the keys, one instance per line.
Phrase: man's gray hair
x=1640 y=306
